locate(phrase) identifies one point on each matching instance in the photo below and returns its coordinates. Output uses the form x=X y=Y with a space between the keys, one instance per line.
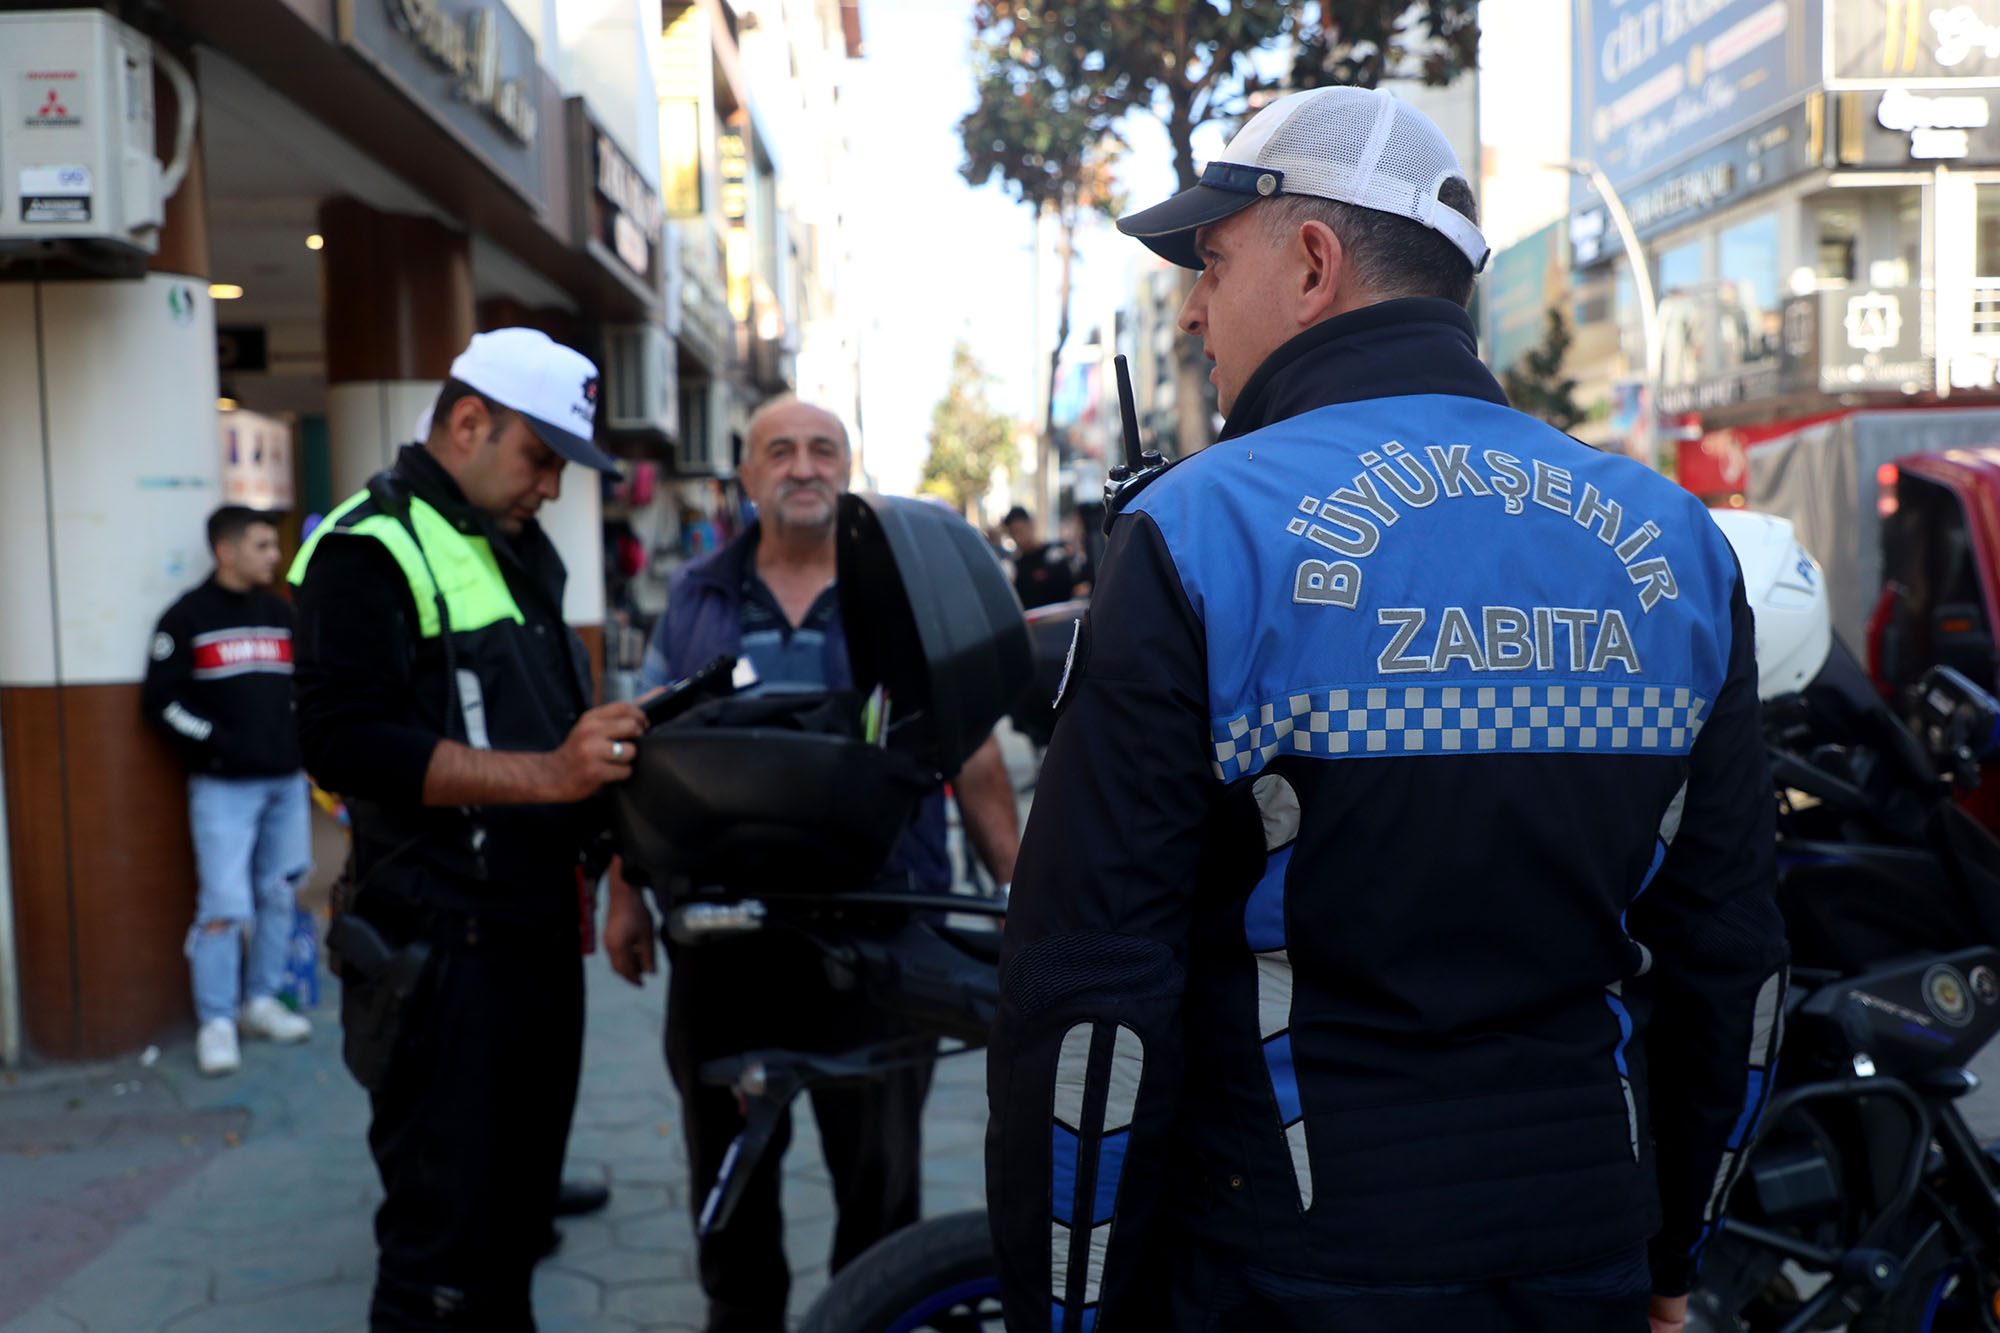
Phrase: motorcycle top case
x=781 y=793
x=1925 y=1014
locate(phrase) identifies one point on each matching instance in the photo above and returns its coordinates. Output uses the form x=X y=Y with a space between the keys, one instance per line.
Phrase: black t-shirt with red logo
x=220 y=682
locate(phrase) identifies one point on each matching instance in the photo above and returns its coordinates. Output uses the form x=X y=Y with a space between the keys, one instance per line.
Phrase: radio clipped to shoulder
x=1128 y=478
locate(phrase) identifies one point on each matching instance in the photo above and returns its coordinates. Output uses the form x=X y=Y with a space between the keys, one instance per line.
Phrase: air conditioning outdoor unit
x=79 y=184
x=641 y=379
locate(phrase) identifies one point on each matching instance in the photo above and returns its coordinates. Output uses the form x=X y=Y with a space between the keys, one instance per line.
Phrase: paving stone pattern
x=136 y=1198
x=140 y=1197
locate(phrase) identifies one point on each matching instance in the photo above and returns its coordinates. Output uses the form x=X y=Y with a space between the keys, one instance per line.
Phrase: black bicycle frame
x=766 y=1082
x=1864 y=1269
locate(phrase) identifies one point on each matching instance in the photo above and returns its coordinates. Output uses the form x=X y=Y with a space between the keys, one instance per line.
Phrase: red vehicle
x=1940 y=568
x=1940 y=599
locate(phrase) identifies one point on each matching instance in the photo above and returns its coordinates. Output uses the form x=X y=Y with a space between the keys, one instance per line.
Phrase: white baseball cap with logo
x=553 y=386
x=1359 y=146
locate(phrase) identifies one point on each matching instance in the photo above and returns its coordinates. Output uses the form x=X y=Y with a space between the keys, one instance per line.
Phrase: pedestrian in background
x=220 y=686
x=1043 y=571
x=770 y=598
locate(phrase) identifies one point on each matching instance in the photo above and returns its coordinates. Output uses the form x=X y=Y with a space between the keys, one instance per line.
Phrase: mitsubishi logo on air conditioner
x=1874 y=322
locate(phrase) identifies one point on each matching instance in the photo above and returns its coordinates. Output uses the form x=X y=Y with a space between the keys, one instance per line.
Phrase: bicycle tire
x=897 y=1276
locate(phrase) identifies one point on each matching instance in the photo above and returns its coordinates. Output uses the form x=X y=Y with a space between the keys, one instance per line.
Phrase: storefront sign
x=633 y=209
x=1872 y=340
x=1712 y=465
x=256 y=460
x=629 y=209
x=1755 y=160
x=1901 y=109
x=1686 y=195
x=466 y=46
x=1515 y=295
x=1724 y=351
x=1715 y=350
x=1904 y=126
x=1653 y=79
x=468 y=63
x=618 y=215
x=735 y=167
x=1878 y=40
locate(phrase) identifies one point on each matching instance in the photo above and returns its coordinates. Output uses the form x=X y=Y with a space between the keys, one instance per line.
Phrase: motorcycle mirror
x=1958 y=722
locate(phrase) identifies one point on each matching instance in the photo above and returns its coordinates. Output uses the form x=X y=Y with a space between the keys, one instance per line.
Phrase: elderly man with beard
x=769 y=597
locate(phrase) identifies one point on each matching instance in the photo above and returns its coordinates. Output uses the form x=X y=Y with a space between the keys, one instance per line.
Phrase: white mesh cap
x=1356 y=145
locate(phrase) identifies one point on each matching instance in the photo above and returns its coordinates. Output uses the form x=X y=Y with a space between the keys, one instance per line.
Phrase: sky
x=937 y=260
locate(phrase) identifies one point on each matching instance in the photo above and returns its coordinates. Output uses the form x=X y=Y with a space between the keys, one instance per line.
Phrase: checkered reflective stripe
x=1456 y=719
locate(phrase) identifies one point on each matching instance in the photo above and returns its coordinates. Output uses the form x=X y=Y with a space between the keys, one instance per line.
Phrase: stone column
x=398 y=301
x=109 y=466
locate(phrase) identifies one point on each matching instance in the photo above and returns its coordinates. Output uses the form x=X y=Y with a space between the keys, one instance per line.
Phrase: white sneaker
x=265 y=1017
x=215 y=1048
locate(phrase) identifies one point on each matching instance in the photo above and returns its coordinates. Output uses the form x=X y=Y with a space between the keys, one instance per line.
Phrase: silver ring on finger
x=618 y=752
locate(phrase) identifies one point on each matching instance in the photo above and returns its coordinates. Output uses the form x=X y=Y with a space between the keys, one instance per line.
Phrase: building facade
x=1816 y=190
x=363 y=184
x=751 y=135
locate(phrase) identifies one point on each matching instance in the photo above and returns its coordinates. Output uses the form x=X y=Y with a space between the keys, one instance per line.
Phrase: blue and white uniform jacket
x=1398 y=901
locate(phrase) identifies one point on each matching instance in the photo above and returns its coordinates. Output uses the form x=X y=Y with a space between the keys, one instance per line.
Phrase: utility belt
x=397 y=919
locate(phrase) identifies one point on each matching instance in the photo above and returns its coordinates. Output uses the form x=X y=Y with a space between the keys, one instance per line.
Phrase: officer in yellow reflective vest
x=441 y=693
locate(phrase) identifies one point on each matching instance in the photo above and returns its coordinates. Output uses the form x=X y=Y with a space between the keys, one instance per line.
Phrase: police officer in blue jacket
x=1393 y=943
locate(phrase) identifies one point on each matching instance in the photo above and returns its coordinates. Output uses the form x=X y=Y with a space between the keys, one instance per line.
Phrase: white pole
x=1642 y=279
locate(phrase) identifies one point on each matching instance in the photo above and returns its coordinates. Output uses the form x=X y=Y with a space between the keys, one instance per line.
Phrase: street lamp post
x=1642 y=279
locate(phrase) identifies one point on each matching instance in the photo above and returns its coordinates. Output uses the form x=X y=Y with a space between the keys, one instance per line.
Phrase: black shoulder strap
x=391 y=495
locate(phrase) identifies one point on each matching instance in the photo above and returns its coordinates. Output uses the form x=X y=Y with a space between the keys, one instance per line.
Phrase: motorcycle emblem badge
x=1985 y=985
x=1945 y=994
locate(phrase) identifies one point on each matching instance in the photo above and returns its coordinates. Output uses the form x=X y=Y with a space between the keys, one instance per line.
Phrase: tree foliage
x=1050 y=148
x=1086 y=63
x=969 y=440
x=1055 y=77
x=1536 y=384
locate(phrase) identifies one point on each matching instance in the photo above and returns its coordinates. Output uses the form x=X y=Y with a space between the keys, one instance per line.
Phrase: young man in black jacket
x=220 y=684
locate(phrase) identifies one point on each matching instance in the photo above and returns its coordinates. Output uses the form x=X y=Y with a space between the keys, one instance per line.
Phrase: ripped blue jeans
x=252 y=851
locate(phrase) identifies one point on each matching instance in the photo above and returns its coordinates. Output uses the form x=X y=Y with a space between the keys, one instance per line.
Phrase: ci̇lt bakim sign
x=470 y=65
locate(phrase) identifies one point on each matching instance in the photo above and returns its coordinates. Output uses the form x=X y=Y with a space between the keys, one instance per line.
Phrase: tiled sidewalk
x=136 y=1198
x=140 y=1197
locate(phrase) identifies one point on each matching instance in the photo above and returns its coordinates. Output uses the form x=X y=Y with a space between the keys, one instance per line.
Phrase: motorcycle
x=1866 y=1202
x=771 y=814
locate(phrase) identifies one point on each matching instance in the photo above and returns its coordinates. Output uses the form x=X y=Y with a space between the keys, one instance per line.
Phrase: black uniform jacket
x=1397 y=906
x=373 y=703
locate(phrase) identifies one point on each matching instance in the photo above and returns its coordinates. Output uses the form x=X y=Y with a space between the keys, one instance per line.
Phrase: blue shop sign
x=1776 y=150
x=1656 y=81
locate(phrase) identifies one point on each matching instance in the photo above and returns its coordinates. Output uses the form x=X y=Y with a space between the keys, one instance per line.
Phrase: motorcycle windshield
x=931 y=618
